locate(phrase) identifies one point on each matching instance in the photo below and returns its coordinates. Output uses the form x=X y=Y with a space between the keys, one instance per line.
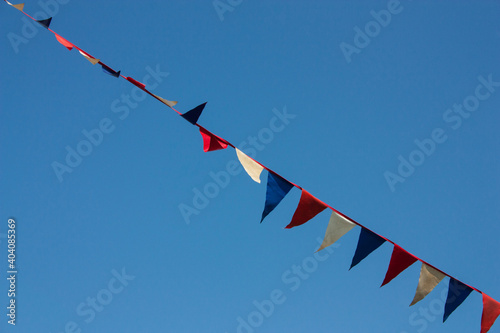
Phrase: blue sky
x=111 y=229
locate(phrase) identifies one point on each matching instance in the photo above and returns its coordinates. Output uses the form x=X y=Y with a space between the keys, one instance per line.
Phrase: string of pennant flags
x=309 y=206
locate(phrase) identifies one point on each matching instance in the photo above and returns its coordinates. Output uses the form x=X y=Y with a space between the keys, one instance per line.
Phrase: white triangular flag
x=429 y=278
x=337 y=227
x=166 y=101
x=92 y=60
x=253 y=168
x=19 y=6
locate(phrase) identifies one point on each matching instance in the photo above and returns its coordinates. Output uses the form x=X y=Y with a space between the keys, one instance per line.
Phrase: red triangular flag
x=137 y=83
x=307 y=208
x=64 y=42
x=400 y=260
x=491 y=310
x=211 y=141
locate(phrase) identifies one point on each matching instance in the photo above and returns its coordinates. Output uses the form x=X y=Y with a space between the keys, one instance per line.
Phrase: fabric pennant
x=491 y=310
x=457 y=293
x=45 y=23
x=367 y=243
x=109 y=71
x=136 y=83
x=429 y=278
x=400 y=260
x=337 y=227
x=193 y=115
x=277 y=189
x=64 y=42
x=307 y=208
x=19 y=6
x=253 y=168
x=211 y=141
x=91 y=59
x=165 y=101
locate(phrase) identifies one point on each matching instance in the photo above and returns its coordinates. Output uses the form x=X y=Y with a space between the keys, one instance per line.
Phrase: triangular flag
x=136 y=83
x=337 y=227
x=277 y=189
x=45 y=23
x=193 y=115
x=165 y=101
x=211 y=141
x=19 y=6
x=89 y=58
x=307 y=208
x=367 y=243
x=109 y=71
x=457 y=293
x=64 y=42
x=400 y=260
x=491 y=310
x=253 y=168
x=429 y=278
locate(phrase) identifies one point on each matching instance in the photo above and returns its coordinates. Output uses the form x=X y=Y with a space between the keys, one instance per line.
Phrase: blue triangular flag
x=277 y=188
x=367 y=243
x=109 y=71
x=45 y=22
x=457 y=293
x=193 y=115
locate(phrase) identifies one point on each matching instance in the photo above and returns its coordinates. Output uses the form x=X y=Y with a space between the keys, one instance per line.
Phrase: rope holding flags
x=309 y=206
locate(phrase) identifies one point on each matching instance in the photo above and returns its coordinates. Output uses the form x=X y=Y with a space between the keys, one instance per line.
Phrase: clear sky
x=104 y=247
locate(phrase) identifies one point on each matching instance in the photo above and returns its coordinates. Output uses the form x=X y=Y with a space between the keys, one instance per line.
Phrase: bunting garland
x=309 y=206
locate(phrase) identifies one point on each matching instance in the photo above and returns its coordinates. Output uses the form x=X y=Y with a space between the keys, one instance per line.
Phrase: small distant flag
x=90 y=58
x=45 y=23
